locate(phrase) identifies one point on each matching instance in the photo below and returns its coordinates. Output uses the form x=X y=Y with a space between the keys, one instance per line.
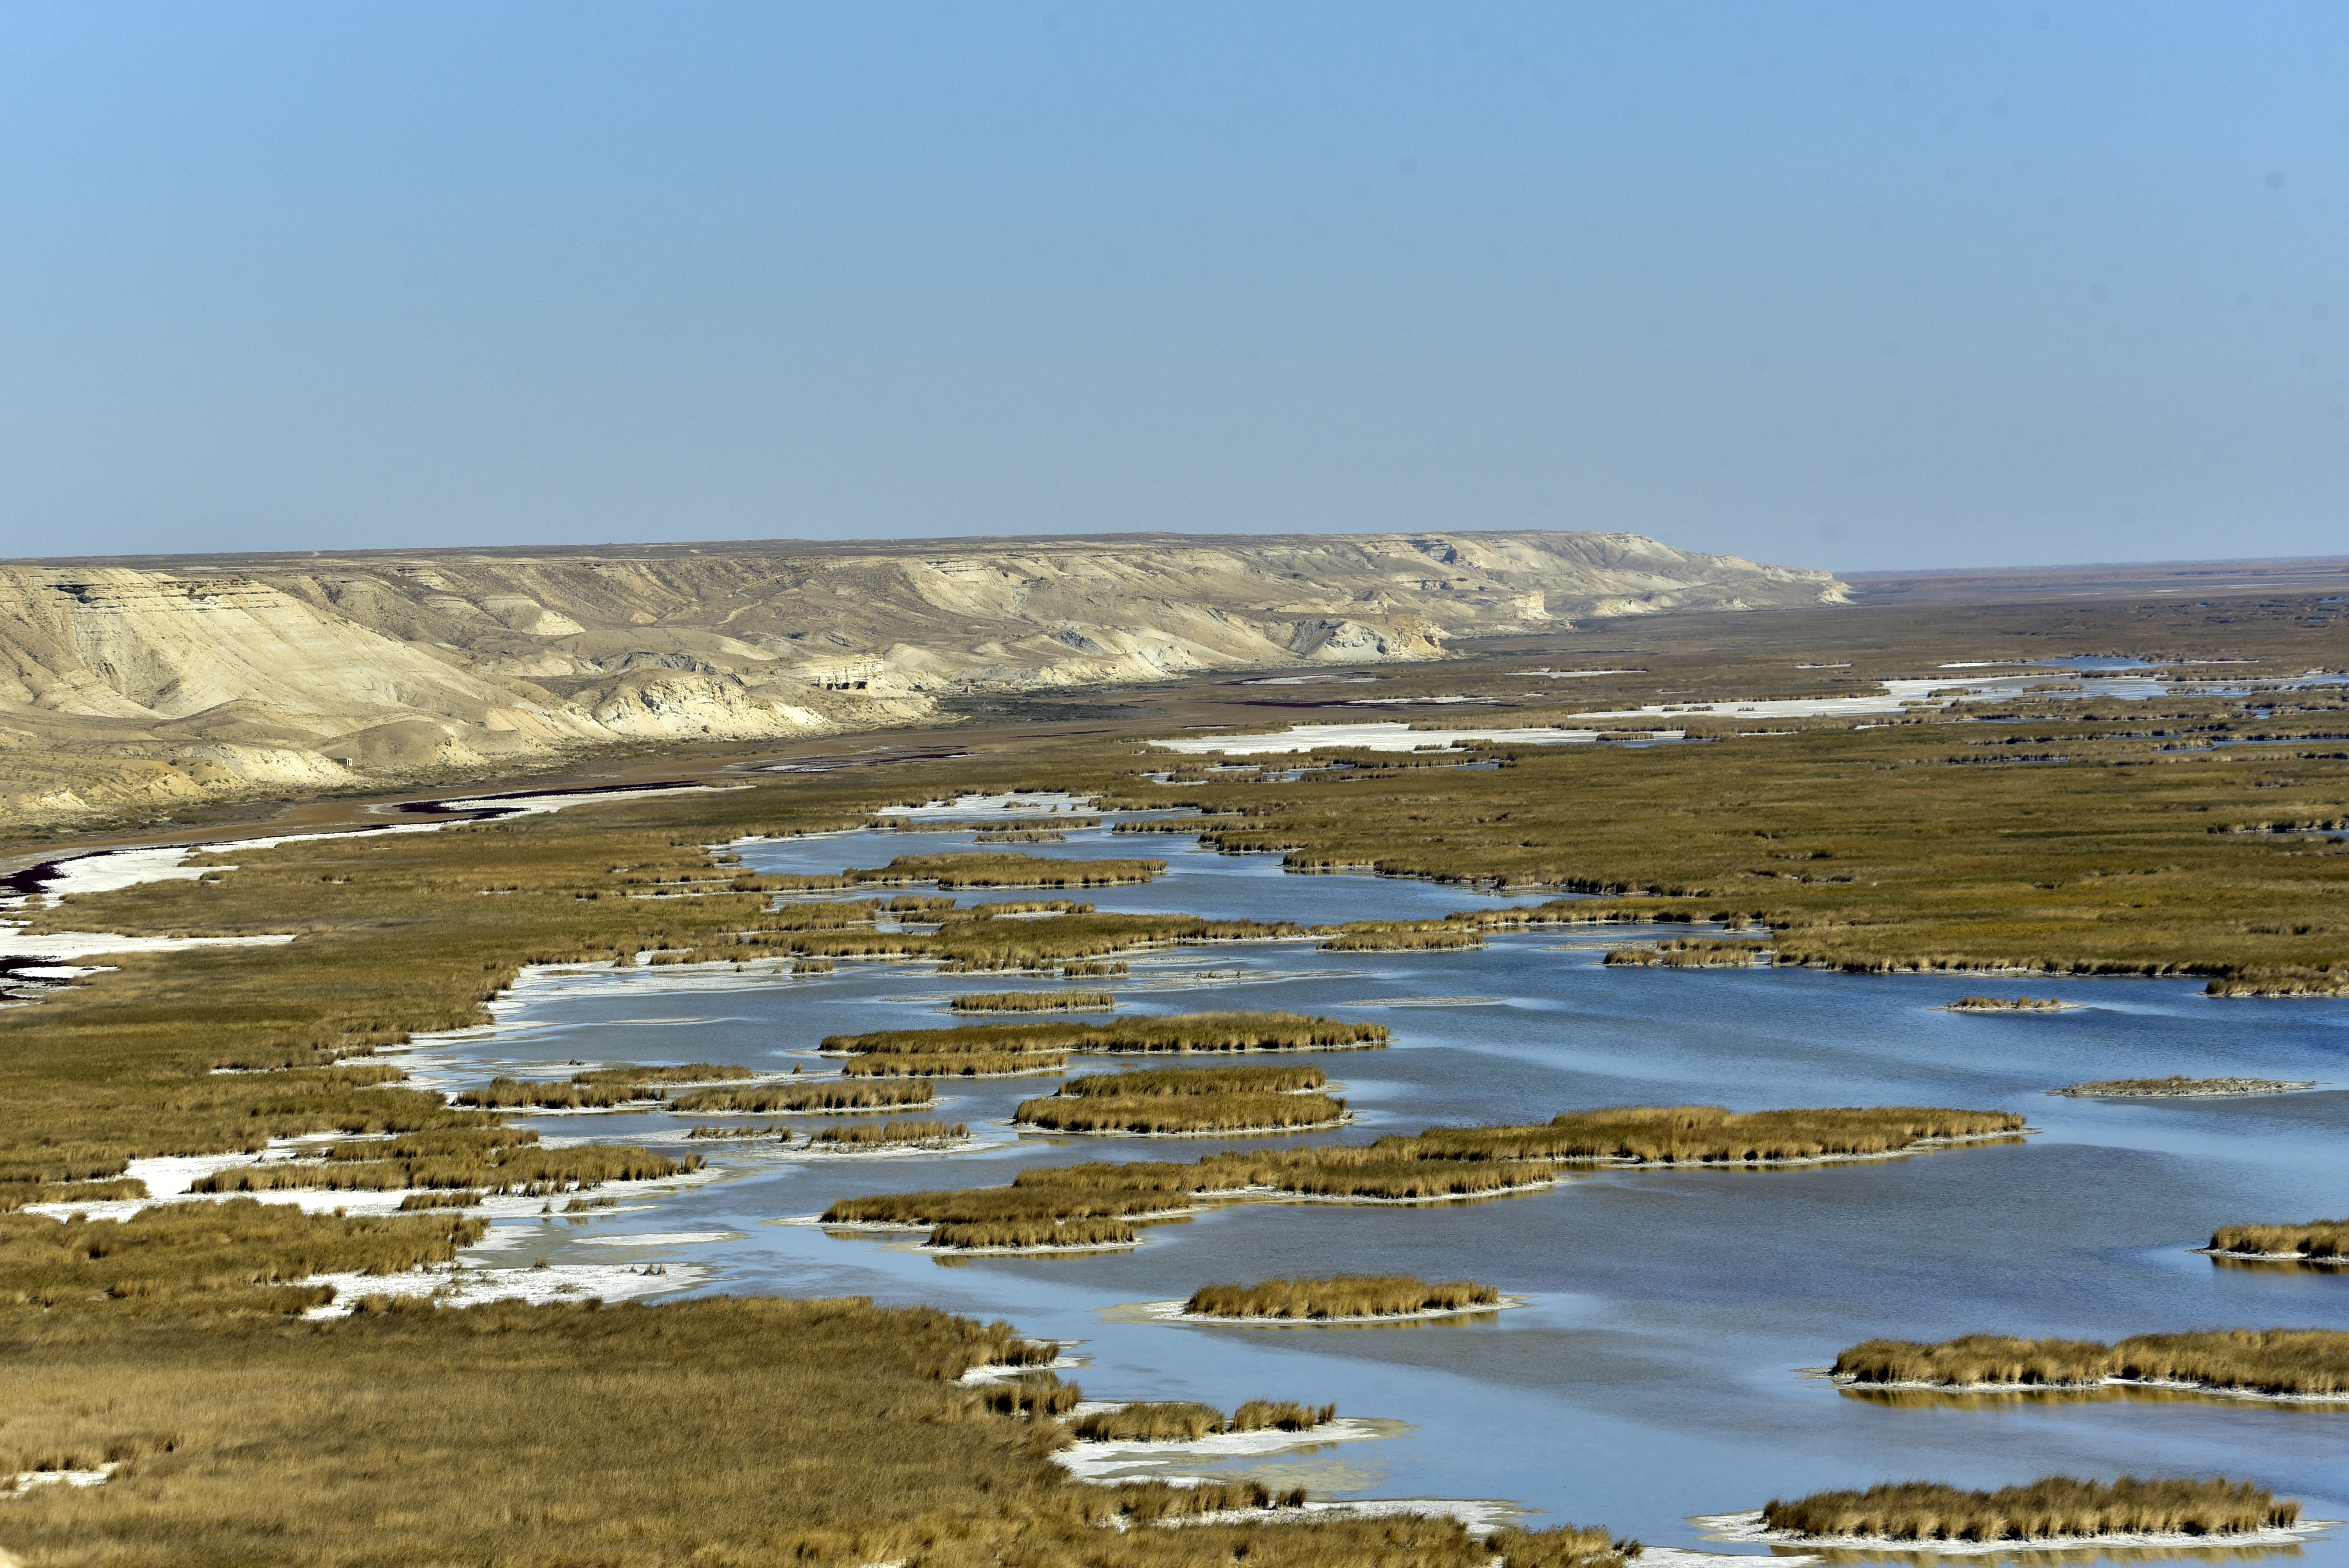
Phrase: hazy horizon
x=2012 y=285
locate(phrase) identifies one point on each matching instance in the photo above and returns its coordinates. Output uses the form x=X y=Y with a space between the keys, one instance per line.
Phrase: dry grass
x=1561 y=1546
x=786 y=1098
x=2316 y=1239
x=1379 y=936
x=1181 y=1113
x=1035 y=1002
x=1178 y=1032
x=2272 y=1361
x=1339 y=1296
x=1688 y=953
x=1183 y=1421
x=500 y=1161
x=1001 y=870
x=891 y=1134
x=1191 y=1081
x=1713 y=1134
x=2055 y=1506
x=604 y=1088
x=1039 y=1235
x=956 y=1063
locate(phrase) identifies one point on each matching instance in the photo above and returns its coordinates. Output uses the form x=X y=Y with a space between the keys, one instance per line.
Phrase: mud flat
x=2179 y=1086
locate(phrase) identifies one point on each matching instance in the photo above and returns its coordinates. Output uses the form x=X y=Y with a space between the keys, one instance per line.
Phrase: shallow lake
x=1659 y=1371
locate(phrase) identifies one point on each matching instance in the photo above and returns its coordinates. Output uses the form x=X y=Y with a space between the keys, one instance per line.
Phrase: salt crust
x=1748 y=1526
x=24 y=1482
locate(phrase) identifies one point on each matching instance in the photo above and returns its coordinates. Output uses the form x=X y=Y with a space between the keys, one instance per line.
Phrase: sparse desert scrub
x=2055 y=1506
x=2325 y=1239
x=1035 y=1002
x=890 y=1134
x=1712 y=1133
x=786 y=1098
x=1339 y=1296
x=1033 y=1234
x=2271 y=1361
x=1165 y=1113
x=1185 y=1421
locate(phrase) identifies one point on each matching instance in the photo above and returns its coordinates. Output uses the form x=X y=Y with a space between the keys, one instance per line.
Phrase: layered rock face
x=129 y=686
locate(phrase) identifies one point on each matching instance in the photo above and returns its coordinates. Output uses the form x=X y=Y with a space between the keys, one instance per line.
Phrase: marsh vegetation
x=2179 y=1086
x=2322 y=1240
x=1188 y=1099
x=783 y=1098
x=1035 y=1002
x=2006 y=1005
x=1185 y=1421
x=1340 y=1296
x=2055 y=1507
x=865 y=1135
x=597 y=1091
x=2295 y=1361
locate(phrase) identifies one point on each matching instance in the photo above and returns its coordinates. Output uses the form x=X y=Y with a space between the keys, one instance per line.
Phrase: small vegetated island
x=1339 y=1298
x=2322 y=1241
x=1072 y=1207
x=604 y=1089
x=1182 y=1421
x=2295 y=1364
x=1176 y=1100
x=996 y=1050
x=1036 y=1002
x=1003 y=869
x=2011 y=1004
x=2052 y=1509
x=2179 y=1086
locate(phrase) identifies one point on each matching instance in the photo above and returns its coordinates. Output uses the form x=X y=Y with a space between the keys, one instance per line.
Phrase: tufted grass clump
x=785 y=1098
x=2325 y=1239
x=1687 y=953
x=1561 y=1546
x=1338 y=1297
x=1402 y=936
x=2052 y=1507
x=2265 y=1361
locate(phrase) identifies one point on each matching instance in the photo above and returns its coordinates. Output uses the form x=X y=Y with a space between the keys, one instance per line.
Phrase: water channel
x=1658 y=1372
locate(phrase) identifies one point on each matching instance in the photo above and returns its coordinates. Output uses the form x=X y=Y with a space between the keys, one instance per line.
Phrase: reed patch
x=2053 y=1508
x=2279 y=1361
x=1338 y=1297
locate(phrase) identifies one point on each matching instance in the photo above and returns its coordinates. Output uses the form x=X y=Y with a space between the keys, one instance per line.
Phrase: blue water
x=1658 y=1374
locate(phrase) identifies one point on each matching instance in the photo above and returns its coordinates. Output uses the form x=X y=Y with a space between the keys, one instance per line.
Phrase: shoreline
x=2337 y=1261
x=1747 y=1526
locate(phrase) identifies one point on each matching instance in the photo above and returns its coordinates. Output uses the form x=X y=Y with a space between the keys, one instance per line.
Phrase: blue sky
x=1851 y=285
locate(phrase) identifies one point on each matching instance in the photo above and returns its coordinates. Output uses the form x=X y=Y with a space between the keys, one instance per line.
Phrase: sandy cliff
x=129 y=686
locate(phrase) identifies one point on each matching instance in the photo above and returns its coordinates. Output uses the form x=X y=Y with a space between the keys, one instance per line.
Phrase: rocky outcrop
x=134 y=684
